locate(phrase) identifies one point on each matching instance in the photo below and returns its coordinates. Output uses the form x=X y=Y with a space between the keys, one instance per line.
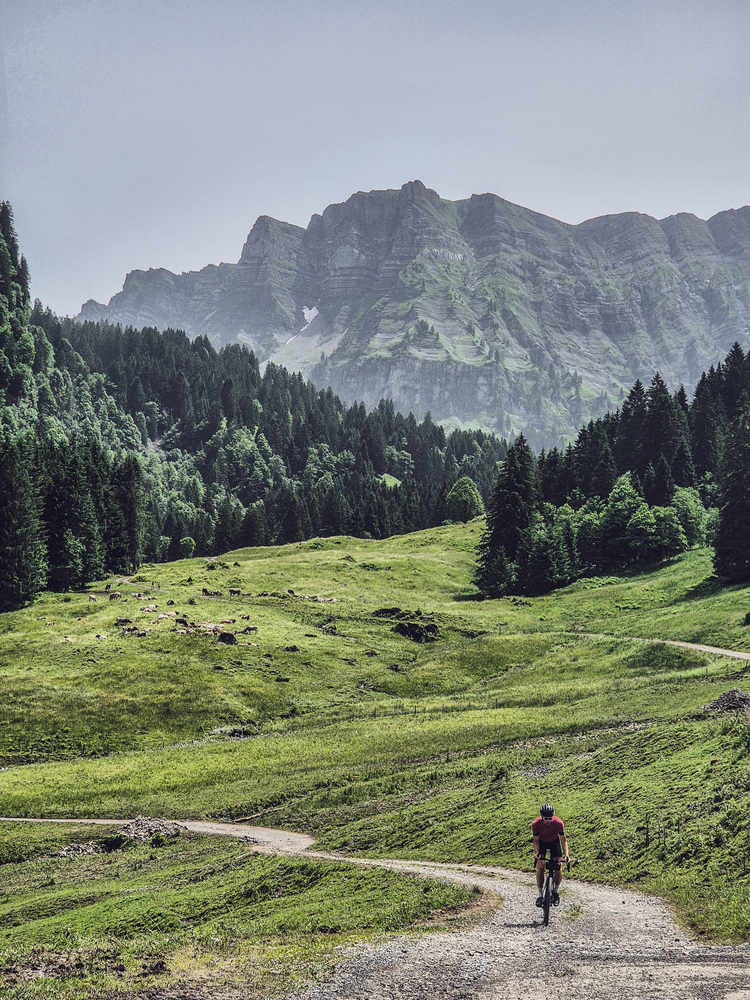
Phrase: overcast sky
x=152 y=133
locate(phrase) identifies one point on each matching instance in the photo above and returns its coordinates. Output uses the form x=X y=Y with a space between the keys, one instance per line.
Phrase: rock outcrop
x=477 y=310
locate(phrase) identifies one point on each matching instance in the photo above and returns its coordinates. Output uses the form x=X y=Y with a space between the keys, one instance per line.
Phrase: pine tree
x=22 y=548
x=333 y=515
x=664 y=420
x=663 y=489
x=630 y=433
x=254 y=527
x=732 y=545
x=683 y=470
x=127 y=480
x=706 y=421
x=511 y=511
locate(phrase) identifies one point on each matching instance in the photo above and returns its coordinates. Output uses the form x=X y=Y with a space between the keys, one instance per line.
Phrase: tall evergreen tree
x=732 y=545
x=510 y=513
x=22 y=549
x=128 y=495
x=630 y=432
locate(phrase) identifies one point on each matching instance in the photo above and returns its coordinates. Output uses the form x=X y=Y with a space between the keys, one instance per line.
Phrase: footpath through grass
x=382 y=708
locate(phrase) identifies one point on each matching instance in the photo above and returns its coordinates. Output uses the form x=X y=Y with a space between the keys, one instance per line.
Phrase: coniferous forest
x=124 y=446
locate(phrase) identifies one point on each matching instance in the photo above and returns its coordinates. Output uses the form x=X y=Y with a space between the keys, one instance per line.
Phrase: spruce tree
x=732 y=545
x=510 y=513
x=629 y=441
x=127 y=481
x=22 y=549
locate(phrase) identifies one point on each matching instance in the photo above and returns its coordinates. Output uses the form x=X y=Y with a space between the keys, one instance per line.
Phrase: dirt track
x=601 y=944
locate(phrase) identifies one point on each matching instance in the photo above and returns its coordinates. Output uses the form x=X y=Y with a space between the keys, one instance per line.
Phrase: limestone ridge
x=477 y=310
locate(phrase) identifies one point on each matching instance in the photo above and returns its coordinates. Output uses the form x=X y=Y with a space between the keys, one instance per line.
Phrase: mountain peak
x=477 y=310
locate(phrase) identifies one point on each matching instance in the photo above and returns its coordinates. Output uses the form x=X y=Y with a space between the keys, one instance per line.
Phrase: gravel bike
x=552 y=865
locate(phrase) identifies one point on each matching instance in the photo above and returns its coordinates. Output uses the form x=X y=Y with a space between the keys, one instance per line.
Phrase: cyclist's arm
x=536 y=845
x=566 y=852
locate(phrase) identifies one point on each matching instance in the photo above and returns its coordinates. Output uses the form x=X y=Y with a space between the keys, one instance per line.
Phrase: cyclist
x=549 y=835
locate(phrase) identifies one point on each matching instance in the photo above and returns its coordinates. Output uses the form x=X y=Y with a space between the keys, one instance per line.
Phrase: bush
x=464 y=501
x=187 y=547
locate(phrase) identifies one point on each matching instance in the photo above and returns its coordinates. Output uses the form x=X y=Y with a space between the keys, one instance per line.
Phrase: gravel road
x=601 y=943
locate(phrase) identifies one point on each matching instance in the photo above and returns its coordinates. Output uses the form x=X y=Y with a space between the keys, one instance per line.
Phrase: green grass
x=381 y=745
x=191 y=908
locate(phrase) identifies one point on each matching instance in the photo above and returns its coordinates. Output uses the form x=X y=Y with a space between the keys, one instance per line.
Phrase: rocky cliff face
x=478 y=310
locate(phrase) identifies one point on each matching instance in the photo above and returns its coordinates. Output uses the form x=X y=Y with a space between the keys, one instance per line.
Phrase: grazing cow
x=115 y=595
x=92 y=598
x=235 y=592
x=150 y=607
x=108 y=588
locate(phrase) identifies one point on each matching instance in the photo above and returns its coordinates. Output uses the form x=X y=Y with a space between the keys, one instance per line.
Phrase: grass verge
x=197 y=910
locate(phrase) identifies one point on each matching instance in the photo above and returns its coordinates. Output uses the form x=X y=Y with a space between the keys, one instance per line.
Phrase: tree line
x=119 y=445
x=660 y=474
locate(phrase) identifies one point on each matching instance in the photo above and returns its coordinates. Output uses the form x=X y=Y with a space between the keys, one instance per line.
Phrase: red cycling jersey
x=547 y=832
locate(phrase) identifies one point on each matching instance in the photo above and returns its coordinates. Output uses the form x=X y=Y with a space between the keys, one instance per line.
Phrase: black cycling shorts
x=553 y=846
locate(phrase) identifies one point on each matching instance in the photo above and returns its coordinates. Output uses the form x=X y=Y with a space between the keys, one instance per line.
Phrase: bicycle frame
x=552 y=865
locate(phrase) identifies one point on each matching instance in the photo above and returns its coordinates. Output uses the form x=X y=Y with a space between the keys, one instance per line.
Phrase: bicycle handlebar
x=570 y=863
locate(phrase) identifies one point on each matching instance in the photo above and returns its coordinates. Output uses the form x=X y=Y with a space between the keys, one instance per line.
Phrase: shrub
x=464 y=501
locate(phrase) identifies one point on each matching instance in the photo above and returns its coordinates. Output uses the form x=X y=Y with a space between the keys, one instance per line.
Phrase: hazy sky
x=152 y=133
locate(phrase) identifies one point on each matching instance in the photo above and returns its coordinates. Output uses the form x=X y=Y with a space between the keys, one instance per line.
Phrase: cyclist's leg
x=559 y=855
x=540 y=871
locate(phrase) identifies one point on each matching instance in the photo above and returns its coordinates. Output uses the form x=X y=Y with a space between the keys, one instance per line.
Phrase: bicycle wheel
x=547 y=899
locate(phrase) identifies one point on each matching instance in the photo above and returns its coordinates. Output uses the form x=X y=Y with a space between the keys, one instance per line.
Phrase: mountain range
x=480 y=311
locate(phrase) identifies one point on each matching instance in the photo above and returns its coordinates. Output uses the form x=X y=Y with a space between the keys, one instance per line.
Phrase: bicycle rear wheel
x=547 y=899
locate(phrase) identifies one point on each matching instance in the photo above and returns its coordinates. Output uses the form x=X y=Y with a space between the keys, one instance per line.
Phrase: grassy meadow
x=382 y=708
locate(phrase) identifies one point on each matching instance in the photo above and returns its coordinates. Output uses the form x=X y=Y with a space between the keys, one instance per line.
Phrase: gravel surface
x=601 y=944
x=143 y=828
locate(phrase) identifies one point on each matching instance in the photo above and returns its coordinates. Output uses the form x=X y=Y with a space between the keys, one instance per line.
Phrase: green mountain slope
x=332 y=718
